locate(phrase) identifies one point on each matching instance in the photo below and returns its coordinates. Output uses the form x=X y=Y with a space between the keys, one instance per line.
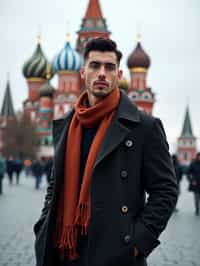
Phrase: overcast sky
x=170 y=35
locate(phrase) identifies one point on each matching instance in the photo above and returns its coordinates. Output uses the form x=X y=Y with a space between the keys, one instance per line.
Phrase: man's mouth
x=101 y=84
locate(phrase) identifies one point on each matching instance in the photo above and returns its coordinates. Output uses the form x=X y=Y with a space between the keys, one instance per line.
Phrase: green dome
x=46 y=90
x=36 y=66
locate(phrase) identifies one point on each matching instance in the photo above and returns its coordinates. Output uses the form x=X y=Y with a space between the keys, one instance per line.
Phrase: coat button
x=124 y=209
x=129 y=143
x=127 y=239
x=124 y=174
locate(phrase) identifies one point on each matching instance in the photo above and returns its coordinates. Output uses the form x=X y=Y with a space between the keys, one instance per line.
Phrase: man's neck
x=92 y=100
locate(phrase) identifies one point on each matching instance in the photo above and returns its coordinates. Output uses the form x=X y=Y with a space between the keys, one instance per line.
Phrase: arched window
x=146 y=96
x=133 y=95
x=185 y=156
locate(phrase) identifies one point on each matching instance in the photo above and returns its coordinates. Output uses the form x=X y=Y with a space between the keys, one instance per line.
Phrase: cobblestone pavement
x=20 y=207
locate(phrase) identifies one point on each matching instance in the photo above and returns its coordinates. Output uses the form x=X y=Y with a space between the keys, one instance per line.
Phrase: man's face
x=101 y=73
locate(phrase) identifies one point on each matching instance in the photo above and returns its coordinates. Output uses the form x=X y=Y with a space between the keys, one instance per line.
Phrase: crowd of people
x=13 y=167
x=42 y=166
x=192 y=173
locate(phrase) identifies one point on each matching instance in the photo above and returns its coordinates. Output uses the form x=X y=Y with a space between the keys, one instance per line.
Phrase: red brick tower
x=187 y=146
x=93 y=25
x=138 y=63
x=44 y=127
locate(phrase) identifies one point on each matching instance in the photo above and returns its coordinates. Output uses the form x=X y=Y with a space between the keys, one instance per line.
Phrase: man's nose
x=102 y=71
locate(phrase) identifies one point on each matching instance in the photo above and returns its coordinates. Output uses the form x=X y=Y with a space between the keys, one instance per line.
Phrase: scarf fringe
x=68 y=239
x=66 y=242
x=82 y=217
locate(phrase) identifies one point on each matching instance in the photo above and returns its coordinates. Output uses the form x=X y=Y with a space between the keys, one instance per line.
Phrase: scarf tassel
x=82 y=217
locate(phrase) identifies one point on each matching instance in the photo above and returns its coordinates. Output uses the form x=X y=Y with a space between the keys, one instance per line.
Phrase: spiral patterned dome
x=67 y=59
x=36 y=66
x=138 y=58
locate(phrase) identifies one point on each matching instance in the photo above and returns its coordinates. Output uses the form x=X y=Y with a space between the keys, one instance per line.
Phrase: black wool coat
x=133 y=161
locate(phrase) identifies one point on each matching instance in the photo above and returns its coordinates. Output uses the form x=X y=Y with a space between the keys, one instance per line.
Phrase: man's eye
x=95 y=65
x=110 y=67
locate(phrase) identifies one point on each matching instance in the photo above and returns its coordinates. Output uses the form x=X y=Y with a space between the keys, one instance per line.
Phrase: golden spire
x=48 y=71
x=39 y=38
x=138 y=37
x=39 y=35
x=68 y=37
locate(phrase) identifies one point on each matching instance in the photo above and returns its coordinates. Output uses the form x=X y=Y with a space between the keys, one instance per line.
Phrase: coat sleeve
x=47 y=202
x=161 y=187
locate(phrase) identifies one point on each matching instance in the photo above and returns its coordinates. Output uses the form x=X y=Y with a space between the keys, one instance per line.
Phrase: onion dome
x=46 y=90
x=123 y=84
x=68 y=59
x=138 y=58
x=35 y=67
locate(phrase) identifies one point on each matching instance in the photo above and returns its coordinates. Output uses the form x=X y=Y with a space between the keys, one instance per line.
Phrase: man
x=37 y=171
x=178 y=174
x=107 y=155
x=2 y=172
x=194 y=179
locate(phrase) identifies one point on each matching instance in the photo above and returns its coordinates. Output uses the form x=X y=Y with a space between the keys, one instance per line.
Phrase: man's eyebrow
x=99 y=62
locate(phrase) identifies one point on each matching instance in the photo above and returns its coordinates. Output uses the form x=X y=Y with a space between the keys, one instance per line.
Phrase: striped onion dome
x=67 y=59
x=36 y=65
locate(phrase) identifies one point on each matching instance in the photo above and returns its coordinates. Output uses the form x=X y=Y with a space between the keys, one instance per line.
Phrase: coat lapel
x=118 y=130
x=60 y=129
x=115 y=135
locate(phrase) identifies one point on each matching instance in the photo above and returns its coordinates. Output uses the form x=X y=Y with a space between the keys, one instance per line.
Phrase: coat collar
x=127 y=110
x=119 y=128
x=117 y=132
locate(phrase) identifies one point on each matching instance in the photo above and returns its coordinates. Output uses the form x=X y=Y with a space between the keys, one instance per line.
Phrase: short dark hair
x=102 y=45
x=198 y=154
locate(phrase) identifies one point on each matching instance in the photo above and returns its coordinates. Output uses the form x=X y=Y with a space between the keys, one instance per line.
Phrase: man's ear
x=82 y=72
x=120 y=73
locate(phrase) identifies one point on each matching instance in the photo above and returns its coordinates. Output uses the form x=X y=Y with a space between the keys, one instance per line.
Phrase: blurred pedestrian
x=48 y=168
x=37 y=171
x=27 y=166
x=18 y=166
x=2 y=172
x=194 y=181
x=10 y=168
x=179 y=173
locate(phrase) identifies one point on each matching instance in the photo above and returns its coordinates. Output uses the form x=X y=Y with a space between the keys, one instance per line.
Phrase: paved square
x=21 y=205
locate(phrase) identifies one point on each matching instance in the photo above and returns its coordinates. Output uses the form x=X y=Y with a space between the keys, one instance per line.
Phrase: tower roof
x=187 y=126
x=94 y=10
x=93 y=21
x=7 y=109
x=36 y=65
x=46 y=90
x=93 y=25
x=67 y=59
x=138 y=58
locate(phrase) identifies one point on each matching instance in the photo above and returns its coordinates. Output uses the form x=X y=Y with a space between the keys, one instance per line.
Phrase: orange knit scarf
x=74 y=204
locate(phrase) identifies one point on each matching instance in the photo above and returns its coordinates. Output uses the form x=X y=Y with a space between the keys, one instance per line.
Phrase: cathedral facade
x=45 y=103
